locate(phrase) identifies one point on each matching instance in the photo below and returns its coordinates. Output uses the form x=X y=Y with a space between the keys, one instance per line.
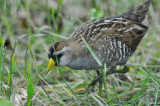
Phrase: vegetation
x=29 y=27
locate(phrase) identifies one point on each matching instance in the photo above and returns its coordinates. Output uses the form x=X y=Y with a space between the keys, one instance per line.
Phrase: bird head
x=59 y=54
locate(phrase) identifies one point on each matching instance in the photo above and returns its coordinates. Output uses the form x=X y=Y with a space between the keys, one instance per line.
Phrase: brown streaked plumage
x=112 y=39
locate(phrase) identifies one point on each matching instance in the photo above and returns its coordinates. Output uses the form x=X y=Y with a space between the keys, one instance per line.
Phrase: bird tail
x=137 y=14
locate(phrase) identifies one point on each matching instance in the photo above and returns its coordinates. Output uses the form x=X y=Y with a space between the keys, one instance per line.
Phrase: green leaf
x=60 y=2
x=96 y=14
x=92 y=52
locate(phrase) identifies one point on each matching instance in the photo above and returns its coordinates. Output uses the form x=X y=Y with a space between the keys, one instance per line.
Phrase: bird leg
x=94 y=82
x=113 y=70
x=109 y=72
x=100 y=82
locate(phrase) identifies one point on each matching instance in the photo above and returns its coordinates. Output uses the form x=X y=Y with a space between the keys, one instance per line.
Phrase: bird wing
x=118 y=28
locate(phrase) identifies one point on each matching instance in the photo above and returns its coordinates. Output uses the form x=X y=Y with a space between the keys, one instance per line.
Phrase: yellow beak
x=51 y=64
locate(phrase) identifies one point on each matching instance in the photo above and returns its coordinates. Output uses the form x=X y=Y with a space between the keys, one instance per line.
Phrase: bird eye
x=60 y=54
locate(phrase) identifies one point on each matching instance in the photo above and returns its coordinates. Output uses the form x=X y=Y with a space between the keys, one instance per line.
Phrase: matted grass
x=29 y=27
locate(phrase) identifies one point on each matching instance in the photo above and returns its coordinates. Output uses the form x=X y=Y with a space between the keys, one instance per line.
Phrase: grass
x=29 y=28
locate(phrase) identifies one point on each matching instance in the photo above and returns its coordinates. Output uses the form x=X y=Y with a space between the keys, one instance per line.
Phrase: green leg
x=109 y=72
x=113 y=70
x=100 y=82
x=94 y=82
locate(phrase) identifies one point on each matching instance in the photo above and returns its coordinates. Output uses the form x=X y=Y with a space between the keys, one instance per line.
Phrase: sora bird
x=113 y=40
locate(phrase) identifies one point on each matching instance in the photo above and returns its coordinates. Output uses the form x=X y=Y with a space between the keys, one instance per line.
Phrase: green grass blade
x=98 y=101
x=55 y=35
x=49 y=97
x=70 y=87
x=30 y=87
x=1 y=73
x=10 y=72
x=156 y=98
x=67 y=84
x=104 y=76
x=156 y=82
x=92 y=52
